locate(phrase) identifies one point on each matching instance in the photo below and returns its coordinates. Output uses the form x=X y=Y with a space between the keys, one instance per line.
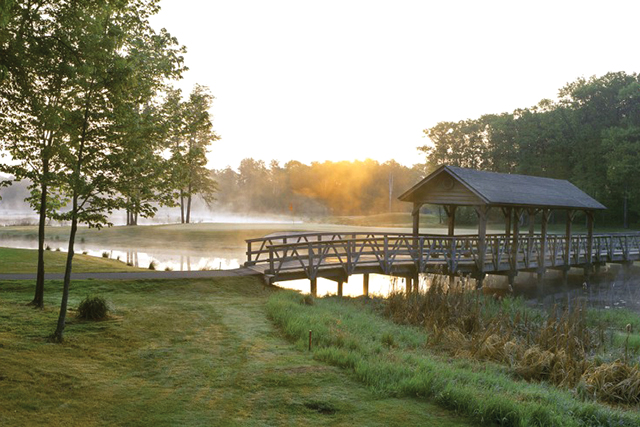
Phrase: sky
x=350 y=79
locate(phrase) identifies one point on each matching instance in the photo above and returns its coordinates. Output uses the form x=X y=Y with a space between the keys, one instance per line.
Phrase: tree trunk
x=189 y=205
x=181 y=207
x=58 y=334
x=38 y=299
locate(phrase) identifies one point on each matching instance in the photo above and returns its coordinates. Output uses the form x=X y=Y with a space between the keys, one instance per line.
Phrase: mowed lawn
x=175 y=353
x=25 y=261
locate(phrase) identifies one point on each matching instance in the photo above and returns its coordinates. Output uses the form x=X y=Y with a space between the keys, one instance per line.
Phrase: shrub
x=152 y=265
x=93 y=308
x=105 y=254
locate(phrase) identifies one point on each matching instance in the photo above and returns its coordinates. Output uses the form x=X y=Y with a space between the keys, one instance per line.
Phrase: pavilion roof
x=500 y=189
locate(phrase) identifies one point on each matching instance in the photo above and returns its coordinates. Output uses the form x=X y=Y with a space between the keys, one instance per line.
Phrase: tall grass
x=395 y=360
x=565 y=347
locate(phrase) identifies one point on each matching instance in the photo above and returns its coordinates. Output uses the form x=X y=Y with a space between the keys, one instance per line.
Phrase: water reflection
x=162 y=260
x=613 y=287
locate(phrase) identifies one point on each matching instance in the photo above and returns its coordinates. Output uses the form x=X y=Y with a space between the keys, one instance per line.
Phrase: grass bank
x=394 y=361
x=189 y=352
x=26 y=261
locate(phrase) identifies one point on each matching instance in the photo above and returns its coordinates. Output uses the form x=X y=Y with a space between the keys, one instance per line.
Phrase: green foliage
x=589 y=136
x=93 y=307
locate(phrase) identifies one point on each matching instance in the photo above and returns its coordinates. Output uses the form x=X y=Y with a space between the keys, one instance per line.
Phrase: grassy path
x=197 y=352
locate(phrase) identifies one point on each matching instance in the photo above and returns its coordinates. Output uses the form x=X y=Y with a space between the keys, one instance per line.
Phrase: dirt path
x=138 y=275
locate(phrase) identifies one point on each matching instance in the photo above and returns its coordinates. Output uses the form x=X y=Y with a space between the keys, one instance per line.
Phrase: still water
x=613 y=287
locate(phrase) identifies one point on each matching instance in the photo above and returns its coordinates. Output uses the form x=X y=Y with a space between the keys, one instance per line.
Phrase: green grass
x=196 y=352
x=26 y=261
x=393 y=360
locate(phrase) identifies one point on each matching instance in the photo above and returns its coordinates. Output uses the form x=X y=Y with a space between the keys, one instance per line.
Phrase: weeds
x=558 y=347
x=93 y=308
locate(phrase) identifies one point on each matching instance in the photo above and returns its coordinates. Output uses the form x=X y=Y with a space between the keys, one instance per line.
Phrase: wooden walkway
x=336 y=256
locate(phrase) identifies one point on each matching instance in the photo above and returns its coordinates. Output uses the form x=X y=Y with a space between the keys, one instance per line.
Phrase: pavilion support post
x=415 y=213
x=507 y=227
x=543 y=240
x=408 y=285
x=451 y=219
x=365 y=284
x=567 y=254
x=589 y=237
x=482 y=212
x=517 y=216
x=531 y=216
x=314 y=287
x=340 y=288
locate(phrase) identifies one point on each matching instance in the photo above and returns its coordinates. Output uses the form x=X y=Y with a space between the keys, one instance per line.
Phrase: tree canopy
x=589 y=136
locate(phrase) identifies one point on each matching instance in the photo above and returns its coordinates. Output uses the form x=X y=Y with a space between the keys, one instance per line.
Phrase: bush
x=152 y=265
x=93 y=308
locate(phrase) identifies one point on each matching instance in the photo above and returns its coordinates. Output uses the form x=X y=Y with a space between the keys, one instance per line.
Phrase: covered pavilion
x=452 y=187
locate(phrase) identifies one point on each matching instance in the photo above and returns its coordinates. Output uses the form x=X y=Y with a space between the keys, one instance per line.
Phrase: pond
x=613 y=287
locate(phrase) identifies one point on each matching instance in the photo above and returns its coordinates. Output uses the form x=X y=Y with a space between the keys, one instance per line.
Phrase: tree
x=36 y=62
x=104 y=35
x=192 y=136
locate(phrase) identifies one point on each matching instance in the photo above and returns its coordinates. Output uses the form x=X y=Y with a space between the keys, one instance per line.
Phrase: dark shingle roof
x=516 y=190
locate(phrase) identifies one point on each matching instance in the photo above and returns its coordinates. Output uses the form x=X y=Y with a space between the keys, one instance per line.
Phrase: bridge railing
x=313 y=252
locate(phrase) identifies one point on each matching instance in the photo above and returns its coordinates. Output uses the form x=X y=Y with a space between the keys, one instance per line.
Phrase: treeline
x=589 y=136
x=328 y=188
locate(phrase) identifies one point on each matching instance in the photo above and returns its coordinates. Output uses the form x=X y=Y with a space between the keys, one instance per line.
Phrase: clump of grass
x=57 y=249
x=307 y=299
x=105 y=254
x=47 y=247
x=167 y=268
x=152 y=265
x=85 y=253
x=93 y=308
x=615 y=382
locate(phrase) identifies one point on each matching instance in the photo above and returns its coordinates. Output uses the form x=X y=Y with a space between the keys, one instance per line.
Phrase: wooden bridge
x=337 y=256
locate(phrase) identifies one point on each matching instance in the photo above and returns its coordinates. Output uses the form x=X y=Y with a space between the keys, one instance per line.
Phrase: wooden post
x=531 y=216
x=408 y=285
x=314 y=287
x=416 y=218
x=451 y=219
x=589 y=237
x=507 y=224
x=543 y=240
x=482 y=211
x=570 y=215
x=365 y=284
x=339 y=289
x=517 y=215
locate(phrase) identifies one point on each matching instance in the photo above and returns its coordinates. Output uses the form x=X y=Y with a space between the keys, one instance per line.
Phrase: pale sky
x=345 y=80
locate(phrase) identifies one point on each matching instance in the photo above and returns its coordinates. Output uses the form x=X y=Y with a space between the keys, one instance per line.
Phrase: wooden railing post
x=271 y=264
x=249 y=262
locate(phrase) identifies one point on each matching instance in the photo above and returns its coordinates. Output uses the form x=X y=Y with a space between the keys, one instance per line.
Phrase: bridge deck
x=339 y=255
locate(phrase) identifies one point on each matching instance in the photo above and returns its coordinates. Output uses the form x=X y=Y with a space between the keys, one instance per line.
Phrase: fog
x=15 y=211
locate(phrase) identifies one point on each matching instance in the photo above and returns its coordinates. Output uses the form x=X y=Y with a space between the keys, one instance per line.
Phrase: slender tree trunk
x=189 y=205
x=58 y=334
x=181 y=207
x=38 y=299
